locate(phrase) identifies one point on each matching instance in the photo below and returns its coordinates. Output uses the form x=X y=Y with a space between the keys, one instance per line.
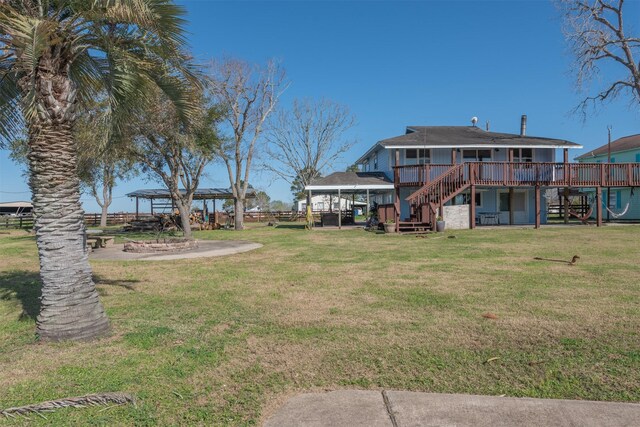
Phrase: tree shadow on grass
x=25 y=286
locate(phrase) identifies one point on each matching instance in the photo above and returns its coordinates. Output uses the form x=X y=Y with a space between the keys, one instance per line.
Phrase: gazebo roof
x=200 y=193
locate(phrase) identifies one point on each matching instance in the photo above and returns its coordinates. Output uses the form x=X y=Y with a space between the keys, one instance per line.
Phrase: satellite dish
x=474 y=120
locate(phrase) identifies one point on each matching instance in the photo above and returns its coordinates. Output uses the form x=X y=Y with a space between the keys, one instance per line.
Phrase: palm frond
x=11 y=123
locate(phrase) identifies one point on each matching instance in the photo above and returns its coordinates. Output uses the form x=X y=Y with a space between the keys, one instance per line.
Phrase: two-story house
x=425 y=153
x=623 y=202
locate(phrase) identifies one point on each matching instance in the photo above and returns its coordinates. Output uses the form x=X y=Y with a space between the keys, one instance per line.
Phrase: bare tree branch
x=595 y=30
x=306 y=140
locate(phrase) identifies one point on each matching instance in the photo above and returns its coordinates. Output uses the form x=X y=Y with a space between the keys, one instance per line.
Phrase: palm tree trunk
x=70 y=308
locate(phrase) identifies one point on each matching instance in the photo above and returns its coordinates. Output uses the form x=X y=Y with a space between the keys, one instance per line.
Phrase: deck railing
x=417 y=175
x=528 y=174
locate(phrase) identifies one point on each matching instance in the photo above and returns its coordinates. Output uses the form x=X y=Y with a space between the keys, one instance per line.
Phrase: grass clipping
x=73 y=402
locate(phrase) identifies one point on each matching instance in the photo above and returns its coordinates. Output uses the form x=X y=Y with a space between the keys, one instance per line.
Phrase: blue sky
x=398 y=63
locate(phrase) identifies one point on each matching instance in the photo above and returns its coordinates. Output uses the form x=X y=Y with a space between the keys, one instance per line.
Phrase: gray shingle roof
x=625 y=143
x=468 y=136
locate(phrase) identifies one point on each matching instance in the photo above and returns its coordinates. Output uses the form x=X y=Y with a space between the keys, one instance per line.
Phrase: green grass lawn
x=224 y=341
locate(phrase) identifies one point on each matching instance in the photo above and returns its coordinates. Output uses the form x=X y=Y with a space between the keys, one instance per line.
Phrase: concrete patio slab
x=352 y=408
x=405 y=409
x=206 y=248
x=431 y=409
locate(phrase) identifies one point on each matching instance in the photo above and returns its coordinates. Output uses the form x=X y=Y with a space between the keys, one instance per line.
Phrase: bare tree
x=248 y=93
x=598 y=37
x=168 y=149
x=307 y=139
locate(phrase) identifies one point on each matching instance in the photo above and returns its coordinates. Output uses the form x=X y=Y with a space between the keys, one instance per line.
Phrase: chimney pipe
x=487 y=126
x=523 y=125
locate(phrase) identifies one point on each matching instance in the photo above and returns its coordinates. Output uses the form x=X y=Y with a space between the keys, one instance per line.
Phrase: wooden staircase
x=426 y=201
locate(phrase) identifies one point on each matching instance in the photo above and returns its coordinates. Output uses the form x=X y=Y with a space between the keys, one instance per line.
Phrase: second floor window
x=522 y=155
x=375 y=161
x=418 y=156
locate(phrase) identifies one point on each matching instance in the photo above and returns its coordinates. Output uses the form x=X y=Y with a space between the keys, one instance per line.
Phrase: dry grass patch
x=223 y=340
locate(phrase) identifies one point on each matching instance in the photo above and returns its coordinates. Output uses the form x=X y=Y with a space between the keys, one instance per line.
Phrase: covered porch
x=349 y=184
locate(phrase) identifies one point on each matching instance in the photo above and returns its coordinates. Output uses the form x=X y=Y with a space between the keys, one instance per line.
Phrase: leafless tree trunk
x=307 y=139
x=249 y=94
x=598 y=37
x=107 y=193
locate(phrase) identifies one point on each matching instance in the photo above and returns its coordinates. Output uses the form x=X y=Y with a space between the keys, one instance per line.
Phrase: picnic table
x=95 y=241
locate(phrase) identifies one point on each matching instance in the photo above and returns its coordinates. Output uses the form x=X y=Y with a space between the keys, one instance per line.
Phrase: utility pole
x=609 y=170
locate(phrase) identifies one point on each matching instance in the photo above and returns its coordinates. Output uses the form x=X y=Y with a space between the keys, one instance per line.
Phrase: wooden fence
x=11 y=221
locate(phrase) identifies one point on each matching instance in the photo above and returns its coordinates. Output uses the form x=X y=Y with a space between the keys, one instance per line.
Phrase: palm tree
x=55 y=54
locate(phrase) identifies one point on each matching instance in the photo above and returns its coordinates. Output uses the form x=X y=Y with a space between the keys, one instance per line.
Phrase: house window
x=523 y=155
x=336 y=205
x=375 y=161
x=476 y=155
x=613 y=160
x=637 y=157
x=466 y=199
x=614 y=200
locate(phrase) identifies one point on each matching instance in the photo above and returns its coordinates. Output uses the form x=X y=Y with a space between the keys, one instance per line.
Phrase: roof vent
x=474 y=120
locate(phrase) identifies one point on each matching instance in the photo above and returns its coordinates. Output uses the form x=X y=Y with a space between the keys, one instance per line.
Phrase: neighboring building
x=327 y=202
x=623 y=150
x=16 y=208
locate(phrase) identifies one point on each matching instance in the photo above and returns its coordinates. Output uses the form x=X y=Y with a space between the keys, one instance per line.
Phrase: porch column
x=396 y=202
x=453 y=156
x=368 y=203
x=151 y=206
x=137 y=210
x=330 y=203
x=537 y=206
x=339 y=210
x=599 y=206
x=472 y=208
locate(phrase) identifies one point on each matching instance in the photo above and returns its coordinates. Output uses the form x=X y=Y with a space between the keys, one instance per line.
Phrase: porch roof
x=352 y=182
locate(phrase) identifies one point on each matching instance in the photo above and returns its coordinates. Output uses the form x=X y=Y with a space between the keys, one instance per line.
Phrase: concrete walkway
x=355 y=408
x=206 y=248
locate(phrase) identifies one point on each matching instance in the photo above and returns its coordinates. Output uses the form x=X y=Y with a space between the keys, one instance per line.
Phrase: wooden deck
x=506 y=174
x=441 y=183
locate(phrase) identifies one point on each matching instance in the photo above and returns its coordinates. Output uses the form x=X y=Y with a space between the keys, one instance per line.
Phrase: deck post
x=599 y=206
x=453 y=156
x=339 y=210
x=472 y=208
x=137 y=208
x=565 y=205
x=151 y=206
x=537 y=206
x=510 y=205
